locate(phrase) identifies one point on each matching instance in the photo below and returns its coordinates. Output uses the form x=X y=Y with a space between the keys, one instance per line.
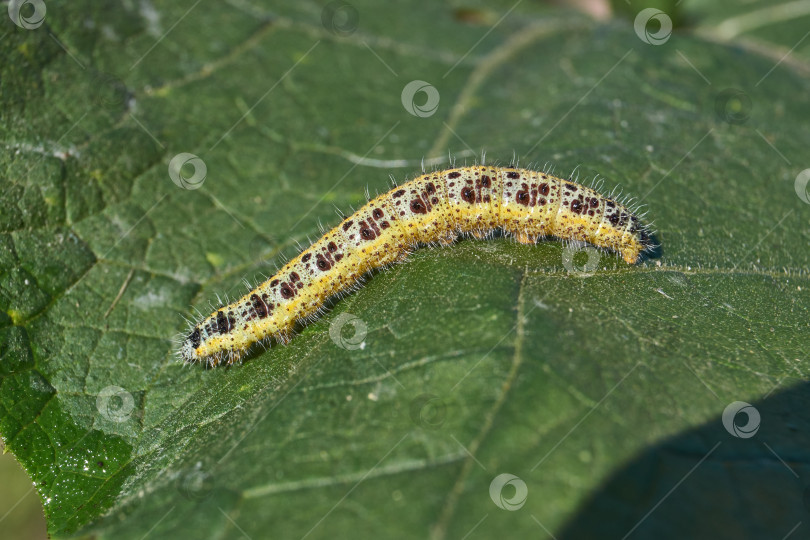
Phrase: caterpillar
x=433 y=208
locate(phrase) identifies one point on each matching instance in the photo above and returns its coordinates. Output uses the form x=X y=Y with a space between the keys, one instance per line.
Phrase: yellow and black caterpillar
x=435 y=207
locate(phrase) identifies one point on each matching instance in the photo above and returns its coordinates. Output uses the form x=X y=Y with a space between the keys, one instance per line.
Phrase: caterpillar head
x=650 y=245
x=190 y=345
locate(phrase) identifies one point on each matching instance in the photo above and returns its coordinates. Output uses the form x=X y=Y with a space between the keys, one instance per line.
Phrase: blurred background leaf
x=601 y=392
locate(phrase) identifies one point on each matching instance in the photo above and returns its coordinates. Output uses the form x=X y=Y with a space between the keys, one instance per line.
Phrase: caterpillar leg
x=630 y=254
x=447 y=240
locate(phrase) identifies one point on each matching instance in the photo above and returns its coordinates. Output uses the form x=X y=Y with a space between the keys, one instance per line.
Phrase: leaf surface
x=600 y=391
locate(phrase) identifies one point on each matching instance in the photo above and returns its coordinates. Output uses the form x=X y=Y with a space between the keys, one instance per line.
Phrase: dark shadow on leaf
x=708 y=484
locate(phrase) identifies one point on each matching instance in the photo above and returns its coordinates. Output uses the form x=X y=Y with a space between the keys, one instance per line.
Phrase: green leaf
x=602 y=392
